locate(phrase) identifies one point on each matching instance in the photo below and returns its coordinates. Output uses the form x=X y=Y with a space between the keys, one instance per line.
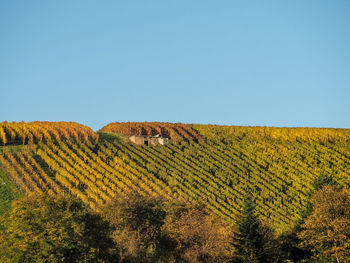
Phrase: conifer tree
x=248 y=241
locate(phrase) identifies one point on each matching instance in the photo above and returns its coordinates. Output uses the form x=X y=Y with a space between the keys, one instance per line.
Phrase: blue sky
x=259 y=63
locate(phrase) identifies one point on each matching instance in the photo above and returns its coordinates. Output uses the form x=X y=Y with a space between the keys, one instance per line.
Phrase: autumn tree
x=318 y=183
x=137 y=225
x=327 y=230
x=41 y=228
x=152 y=229
x=199 y=236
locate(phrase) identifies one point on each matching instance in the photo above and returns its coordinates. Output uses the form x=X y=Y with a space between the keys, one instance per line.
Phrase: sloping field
x=215 y=164
x=8 y=192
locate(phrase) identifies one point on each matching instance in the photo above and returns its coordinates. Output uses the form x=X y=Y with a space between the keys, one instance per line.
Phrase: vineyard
x=217 y=165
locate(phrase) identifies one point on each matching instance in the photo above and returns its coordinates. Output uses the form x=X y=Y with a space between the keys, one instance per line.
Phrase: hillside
x=215 y=164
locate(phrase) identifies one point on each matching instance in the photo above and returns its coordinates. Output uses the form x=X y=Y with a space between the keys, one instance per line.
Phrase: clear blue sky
x=273 y=63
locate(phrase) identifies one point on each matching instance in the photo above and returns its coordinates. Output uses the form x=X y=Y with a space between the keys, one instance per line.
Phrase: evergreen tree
x=249 y=241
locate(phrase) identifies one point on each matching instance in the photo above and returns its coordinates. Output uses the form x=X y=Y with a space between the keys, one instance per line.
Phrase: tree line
x=134 y=228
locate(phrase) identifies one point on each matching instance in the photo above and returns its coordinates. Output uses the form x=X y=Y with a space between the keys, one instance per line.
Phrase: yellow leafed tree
x=327 y=229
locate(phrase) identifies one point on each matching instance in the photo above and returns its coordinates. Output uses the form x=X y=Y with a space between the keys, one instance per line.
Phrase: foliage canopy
x=327 y=230
x=41 y=228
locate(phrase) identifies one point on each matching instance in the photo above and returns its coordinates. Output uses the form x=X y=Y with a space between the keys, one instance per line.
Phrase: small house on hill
x=149 y=140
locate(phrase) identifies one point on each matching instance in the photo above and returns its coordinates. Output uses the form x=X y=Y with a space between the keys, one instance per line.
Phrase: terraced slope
x=215 y=164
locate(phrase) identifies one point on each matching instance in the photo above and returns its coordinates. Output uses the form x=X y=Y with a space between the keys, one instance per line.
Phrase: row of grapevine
x=33 y=132
x=218 y=165
x=175 y=131
x=234 y=133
